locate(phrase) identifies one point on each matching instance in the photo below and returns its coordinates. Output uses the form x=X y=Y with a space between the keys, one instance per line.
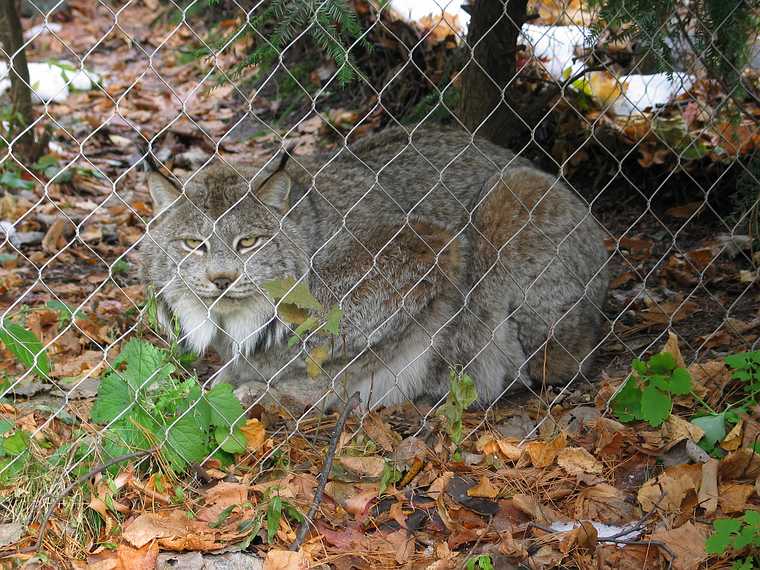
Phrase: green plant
x=144 y=405
x=648 y=393
x=462 y=394
x=737 y=534
x=745 y=367
x=276 y=508
x=482 y=561
x=25 y=346
x=297 y=306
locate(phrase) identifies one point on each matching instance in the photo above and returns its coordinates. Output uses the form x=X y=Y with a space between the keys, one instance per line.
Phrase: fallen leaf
x=576 y=460
x=606 y=504
x=484 y=489
x=708 y=489
x=583 y=536
x=371 y=467
x=354 y=498
x=380 y=432
x=733 y=497
x=733 y=439
x=543 y=454
x=255 y=434
x=403 y=545
x=687 y=543
x=285 y=560
x=220 y=497
x=740 y=464
x=677 y=429
x=137 y=558
x=671 y=346
x=668 y=490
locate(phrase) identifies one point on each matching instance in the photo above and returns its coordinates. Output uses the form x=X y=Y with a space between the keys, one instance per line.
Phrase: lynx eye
x=194 y=245
x=250 y=243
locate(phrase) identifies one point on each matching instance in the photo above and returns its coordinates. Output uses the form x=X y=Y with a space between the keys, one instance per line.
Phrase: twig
x=94 y=471
x=353 y=401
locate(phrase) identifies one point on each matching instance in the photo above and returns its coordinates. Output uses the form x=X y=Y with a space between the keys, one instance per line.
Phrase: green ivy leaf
x=145 y=364
x=288 y=291
x=680 y=382
x=114 y=396
x=713 y=426
x=662 y=363
x=230 y=442
x=655 y=406
x=627 y=403
x=307 y=325
x=25 y=346
x=16 y=444
x=226 y=409
x=332 y=325
x=723 y=537
x=187 y=442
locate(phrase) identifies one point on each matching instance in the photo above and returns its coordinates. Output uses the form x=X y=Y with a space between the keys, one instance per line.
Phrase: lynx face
x=210 y=248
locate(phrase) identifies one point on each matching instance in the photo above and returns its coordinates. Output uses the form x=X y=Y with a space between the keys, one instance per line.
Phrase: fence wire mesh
x=311 y=227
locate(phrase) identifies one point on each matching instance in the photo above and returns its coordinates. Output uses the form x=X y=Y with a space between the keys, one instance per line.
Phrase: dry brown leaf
x=576 y=460
x=671 y=346
x=144 y=558
x=677 y=429
x=542 y=514
x=741 y=464
x=606 y=504
x=733 y=497
x=668 y=490
x=403 y=545
x=353 y=497
x=490 y=444
x=221 y=496
x=584 y=536
x=364 y=466
x=543 y=453
x=630 y=557
x=380 y=432
x=733 y=440
x=484 y=489
x=687 y=543
x=285 y=560
x=255 y=434
x=708 y=489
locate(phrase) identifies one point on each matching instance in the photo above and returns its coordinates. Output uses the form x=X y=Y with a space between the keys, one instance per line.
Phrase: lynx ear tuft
x=275 y=191
x=162 y=191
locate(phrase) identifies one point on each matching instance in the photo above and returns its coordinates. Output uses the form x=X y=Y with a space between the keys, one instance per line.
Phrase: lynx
x=443 y=252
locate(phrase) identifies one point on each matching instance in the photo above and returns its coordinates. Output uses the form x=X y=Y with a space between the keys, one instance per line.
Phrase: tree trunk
x=492 y=39
x=12 y=40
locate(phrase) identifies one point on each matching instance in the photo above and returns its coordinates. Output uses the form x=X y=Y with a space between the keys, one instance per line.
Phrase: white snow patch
x=603 y=530
x=52 y=81
x=42 y=29
x=642 y=92
x=556 y=46
x=413 y=10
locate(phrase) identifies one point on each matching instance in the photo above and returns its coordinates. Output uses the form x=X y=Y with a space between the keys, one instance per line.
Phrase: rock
x=10 y=533
x=29 y=238
x=198 y=561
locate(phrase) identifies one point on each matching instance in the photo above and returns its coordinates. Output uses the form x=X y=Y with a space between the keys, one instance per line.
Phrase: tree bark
x=12 y=40
x=492 y=42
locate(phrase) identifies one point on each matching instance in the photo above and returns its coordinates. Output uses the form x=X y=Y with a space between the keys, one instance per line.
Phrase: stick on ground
x=353 y=401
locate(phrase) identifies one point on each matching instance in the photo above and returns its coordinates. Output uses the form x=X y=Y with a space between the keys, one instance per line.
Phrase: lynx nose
x=222 y=281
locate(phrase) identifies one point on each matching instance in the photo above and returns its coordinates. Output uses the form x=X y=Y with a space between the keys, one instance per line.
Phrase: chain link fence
x=329 y=226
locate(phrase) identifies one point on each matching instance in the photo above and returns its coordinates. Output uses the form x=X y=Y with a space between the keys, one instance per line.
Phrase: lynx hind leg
x=566 y=356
